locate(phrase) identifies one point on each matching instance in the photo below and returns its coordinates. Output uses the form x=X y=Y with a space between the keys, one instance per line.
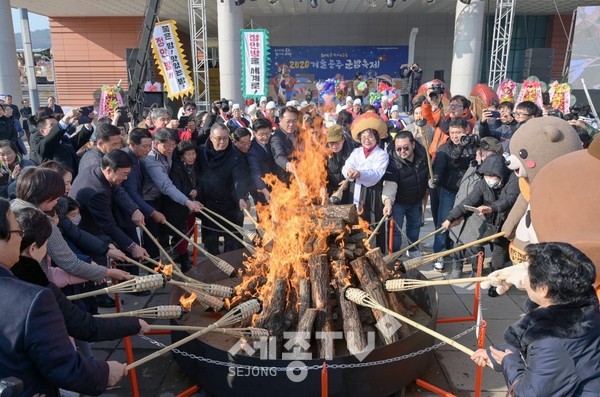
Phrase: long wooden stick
x=420 y=261
x=423 y=129
x=152 y=271
x=360 y=297
x=136 y=284
x=301 y=185
x=160 y=247
x=404 y=284
x=249 y=247
x=250 y=235
x=395 y=255
x=220 y=263
x=250 y=332
x=258 y=228
x=237 y=314
x=374 y=234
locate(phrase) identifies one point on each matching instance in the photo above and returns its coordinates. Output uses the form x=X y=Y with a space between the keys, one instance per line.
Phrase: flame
x=293 y=222
x=186 y=303
x=167 y=270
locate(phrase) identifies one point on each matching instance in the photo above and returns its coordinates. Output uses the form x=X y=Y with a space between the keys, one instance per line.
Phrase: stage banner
x=294 y=70
x=255 y=61
x=168 y=54
x=585 y=56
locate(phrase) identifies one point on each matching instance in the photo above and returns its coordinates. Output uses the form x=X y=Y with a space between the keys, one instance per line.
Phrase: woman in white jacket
x=365 y=168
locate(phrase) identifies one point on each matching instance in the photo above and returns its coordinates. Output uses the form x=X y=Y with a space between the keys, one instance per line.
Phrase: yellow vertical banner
x=168 y=54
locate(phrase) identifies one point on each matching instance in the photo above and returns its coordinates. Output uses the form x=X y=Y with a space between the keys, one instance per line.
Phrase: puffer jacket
x=556 y=351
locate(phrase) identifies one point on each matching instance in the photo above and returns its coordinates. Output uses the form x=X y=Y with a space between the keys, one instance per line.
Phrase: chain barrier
x=311 y=367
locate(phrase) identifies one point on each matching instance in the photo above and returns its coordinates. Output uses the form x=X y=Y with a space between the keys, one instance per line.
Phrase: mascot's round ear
x=553 y=133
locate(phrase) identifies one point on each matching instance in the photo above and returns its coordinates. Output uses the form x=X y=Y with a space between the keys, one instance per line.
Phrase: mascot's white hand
x=505 y=278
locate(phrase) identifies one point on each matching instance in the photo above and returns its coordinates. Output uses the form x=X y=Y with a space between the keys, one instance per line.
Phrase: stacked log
x=334 y=257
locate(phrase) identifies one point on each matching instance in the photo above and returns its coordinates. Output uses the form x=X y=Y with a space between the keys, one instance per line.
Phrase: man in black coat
x=223 y=186
x=285 y=140
x=35 y=346
x=53 y=107
x=404 y=187
x=96 y=191
x=260 y=160
x=51 y=140
x=7 y=127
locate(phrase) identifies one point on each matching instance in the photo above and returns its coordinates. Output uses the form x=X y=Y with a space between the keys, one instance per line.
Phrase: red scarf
x=367 y=152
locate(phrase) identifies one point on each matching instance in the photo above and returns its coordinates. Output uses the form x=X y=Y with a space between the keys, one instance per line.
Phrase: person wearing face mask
x=493 y=196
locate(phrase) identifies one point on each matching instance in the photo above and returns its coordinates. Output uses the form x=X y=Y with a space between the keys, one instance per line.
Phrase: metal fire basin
x=372 y=381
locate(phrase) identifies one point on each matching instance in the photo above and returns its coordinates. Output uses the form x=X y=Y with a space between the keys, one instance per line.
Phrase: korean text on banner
x=255 y=55
x=171 y=61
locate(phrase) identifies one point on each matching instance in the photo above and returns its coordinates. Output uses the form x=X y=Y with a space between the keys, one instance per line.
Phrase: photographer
x=435 y=115
x=223 y=115
x=499 y=124
x=453 y=159
x=415 y=74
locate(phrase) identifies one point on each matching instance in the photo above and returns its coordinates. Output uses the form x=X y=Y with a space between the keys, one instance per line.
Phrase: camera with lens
x=223 y=104
x=469 y=140
x=437 y=90
x=574 y=112
x=10 y=386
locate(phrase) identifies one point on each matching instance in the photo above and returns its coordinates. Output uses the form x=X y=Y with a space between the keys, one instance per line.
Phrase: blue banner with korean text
x=292 y=65
x=326 y=62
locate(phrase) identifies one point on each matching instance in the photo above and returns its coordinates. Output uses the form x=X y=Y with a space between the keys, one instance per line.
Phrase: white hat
x=289 y=103
x=235 y=106
x=271 y=105
x=294 y=102
x=304 y=104
x=357 y=101
x=348 y=99
x=384 y=98
x=263 y=99
x=251 y=110
x=395 y=108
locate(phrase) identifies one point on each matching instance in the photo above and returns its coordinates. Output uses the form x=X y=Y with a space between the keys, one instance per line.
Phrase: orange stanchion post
x=476 y=298
x=391 y=235
x=189 y=392
x=195 y=252
x=135 y=391
x=432 y=388
x=478 y=369
x=324 y=381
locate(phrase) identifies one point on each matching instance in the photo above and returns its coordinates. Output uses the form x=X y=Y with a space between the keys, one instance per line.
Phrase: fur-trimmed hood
x=572 y=320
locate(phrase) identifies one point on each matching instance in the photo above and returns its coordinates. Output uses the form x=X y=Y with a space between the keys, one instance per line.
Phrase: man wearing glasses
x=223 y=187
x=285 y=140
x=404 y=187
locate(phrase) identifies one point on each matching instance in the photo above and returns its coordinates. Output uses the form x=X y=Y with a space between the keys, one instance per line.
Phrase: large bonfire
x=309 y=253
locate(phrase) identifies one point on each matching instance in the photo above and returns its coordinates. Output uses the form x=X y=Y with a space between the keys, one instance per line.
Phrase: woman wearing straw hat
x=366 y=166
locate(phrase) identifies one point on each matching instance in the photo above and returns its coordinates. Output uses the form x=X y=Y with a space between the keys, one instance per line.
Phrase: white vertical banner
x=255 y=55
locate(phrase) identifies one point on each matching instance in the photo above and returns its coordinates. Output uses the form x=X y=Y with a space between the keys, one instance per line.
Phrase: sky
x=36 y=22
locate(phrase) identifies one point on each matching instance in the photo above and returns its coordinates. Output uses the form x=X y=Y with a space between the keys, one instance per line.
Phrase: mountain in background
x=39 y=39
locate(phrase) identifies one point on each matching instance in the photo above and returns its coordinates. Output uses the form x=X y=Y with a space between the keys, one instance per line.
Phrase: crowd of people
x=81 y=187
